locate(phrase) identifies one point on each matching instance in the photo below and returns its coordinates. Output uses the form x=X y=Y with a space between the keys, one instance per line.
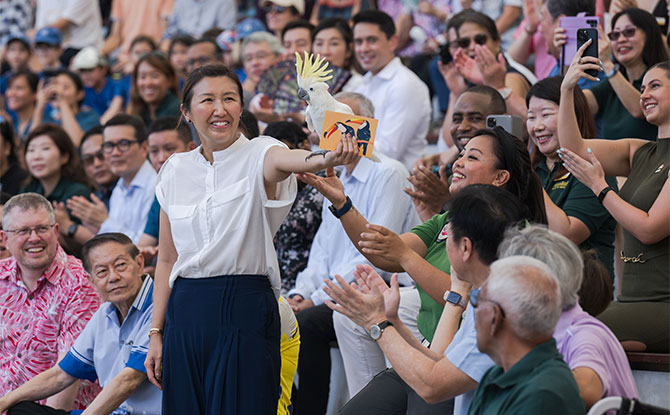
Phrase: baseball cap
x=298 y=4
x=248 y=26
x=49 y=35
x=20 y=37
x=88 y=58
x=226 y=39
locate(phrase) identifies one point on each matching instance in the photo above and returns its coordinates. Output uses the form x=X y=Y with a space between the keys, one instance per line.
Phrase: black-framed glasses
x=464 y=42
x=89 y=159
x=122 y=145
x=40 y=230
x=475 y=300
x=628 y=33
x=274 y=8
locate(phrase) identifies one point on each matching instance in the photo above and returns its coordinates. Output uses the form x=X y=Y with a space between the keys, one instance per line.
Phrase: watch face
x=375 y=332
x=453 y=298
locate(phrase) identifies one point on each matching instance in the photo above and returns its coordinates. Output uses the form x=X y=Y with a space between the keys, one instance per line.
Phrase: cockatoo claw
x=317 y=153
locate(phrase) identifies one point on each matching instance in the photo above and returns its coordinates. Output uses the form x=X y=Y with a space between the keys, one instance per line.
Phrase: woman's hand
x=330 y=186
x=432 y=191
x=560 y=37
x=454 y=80
x=493 y=71
x=61 y=216
x=604 y=49
x=589 y=172
x=345 y=153
x=532 y=16
x=577 y=70
x=391 y=294
x=379 y=241
x=467 y=67
x=154 y=361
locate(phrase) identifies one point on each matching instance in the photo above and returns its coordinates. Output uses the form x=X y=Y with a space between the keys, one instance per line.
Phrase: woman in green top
x=641 y=316
x=154 y=90
x=572 y=209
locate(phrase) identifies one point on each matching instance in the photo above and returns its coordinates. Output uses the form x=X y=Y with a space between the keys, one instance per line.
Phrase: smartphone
x=511 y=123
x=445 y=55
x=436 y=170
x=583 y=36
x=572 y=24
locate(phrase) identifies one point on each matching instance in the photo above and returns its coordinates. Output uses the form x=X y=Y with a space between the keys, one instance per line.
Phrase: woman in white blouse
x=220 y=207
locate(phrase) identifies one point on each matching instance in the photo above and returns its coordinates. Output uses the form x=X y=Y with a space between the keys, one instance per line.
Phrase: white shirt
x=376 y=191
x=129 y=205
x=86 y=27
x=222 y=221
x=402 y=106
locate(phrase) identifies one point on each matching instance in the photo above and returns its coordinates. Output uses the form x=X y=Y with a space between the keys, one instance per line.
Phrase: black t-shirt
x=11 y=181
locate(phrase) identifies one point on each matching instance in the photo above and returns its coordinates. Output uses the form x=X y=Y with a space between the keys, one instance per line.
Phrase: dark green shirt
x=539 y=383
x=169 y=106
x=64 y=190
x=578 y=201
x=432 y=234
x=617 y=122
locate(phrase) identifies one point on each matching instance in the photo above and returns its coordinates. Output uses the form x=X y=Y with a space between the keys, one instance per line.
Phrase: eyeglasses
x=474 y=300
x=39 y=230
x=89 y=159
x=464 y=42
x=123 y=145
x=628 y=33
x=273 y=8
x=258 y=56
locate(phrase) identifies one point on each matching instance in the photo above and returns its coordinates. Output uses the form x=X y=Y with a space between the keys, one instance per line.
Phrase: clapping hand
x=590 y=172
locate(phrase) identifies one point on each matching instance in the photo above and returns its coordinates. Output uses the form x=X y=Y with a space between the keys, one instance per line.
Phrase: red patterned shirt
x=36 y=327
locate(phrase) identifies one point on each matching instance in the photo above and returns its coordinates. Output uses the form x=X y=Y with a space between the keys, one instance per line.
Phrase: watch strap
x=343 y=210
x=613 y=72
x=72 y=229
x=603 y=193
x=455 y=298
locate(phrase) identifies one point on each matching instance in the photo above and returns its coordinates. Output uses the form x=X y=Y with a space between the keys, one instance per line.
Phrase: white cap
x=88 y=58
x=298 y=4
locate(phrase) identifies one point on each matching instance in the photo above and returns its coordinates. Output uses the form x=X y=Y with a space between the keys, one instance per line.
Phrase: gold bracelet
x=155 y=330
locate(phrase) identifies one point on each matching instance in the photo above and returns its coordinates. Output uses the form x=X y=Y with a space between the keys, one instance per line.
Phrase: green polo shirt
x=64 y=190
x=539 y=383
x=169 y=106
x=617 y=122
x=432 y=234
x=578 y=201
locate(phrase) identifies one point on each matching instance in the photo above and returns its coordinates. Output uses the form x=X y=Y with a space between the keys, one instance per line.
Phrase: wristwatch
x=376 y=330
x=455 y=299
x=341 y=211
x=603 y=193
x=505 y=92
x=613 y=72
x=72 y=229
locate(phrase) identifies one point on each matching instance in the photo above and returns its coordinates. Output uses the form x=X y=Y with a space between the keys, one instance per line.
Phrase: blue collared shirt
x=106 y=346
x=129 y=205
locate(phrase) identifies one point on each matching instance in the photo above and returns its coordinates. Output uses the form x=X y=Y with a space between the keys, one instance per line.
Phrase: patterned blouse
x=36 y=327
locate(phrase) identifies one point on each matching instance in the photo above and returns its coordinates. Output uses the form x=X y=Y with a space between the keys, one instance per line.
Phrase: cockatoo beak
x=302 y=94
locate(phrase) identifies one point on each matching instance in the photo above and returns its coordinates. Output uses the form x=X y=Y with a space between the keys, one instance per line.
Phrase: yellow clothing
x=289 y=349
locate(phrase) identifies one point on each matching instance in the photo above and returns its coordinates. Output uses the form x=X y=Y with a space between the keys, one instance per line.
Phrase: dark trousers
x=316 y=334
x=221 y=347
x=32 y=408
x=388 y=394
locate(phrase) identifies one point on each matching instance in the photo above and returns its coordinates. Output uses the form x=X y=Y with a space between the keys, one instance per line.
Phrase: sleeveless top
x=646 y=274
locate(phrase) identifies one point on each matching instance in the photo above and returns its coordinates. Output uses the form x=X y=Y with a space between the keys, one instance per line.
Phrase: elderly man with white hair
x=593 y=353
x=516 y=312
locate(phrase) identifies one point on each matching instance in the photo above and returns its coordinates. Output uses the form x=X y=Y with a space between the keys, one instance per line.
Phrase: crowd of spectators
x=507 y=178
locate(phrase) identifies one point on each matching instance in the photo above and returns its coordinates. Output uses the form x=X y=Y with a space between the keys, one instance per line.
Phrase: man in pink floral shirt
x=45 y=299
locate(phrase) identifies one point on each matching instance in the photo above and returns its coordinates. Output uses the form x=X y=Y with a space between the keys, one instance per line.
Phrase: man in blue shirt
x=112 y=347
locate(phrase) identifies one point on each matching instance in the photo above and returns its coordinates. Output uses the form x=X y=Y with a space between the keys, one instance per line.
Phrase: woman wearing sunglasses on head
x=634 y=44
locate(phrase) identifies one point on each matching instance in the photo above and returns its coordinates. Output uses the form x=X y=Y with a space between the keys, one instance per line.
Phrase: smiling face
x=43 y=158
x=34 y=251
x=115 y=275
x=542 y=125
x=628 y=51
x=215 y=110
x=330 y=44
x=373 y=49
x=277 y=17
x=477 y=165
x=296 y=40
x=470 y=112
x=152 y=84
x=162 y=144
x=68 y=90
x=17 y=55
x=655 y=97
x=124 y=163
x=19 y=95
x=474 y=31
x=93 y=78
x=178 y=56
x=257 y=57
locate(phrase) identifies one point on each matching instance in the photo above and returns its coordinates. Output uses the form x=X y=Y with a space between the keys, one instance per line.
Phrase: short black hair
x=475 y=17
x=131 y=120
x=482 y=213
x=4 y=197
x=171 y=123
x=218 y=53
x=8 y=138
x=298 y=24
x=288 y=132
x=249 y=125
x=90 y=133
x=497 y=103
x=104 y=238
x=31 y=78
x=143 y=39
x=570 y=7
x=381 y=19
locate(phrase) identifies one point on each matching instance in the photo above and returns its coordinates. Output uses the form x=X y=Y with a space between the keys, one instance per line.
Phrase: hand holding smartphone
x=583 y=36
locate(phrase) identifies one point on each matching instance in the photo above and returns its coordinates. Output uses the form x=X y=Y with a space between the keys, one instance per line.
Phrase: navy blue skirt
x=221 y=347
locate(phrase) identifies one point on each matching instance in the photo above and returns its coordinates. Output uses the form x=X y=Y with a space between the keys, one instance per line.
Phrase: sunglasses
x=464 y=42
x=475 y=300
x=89 y=159
x=273 y=8
x=628 y=33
